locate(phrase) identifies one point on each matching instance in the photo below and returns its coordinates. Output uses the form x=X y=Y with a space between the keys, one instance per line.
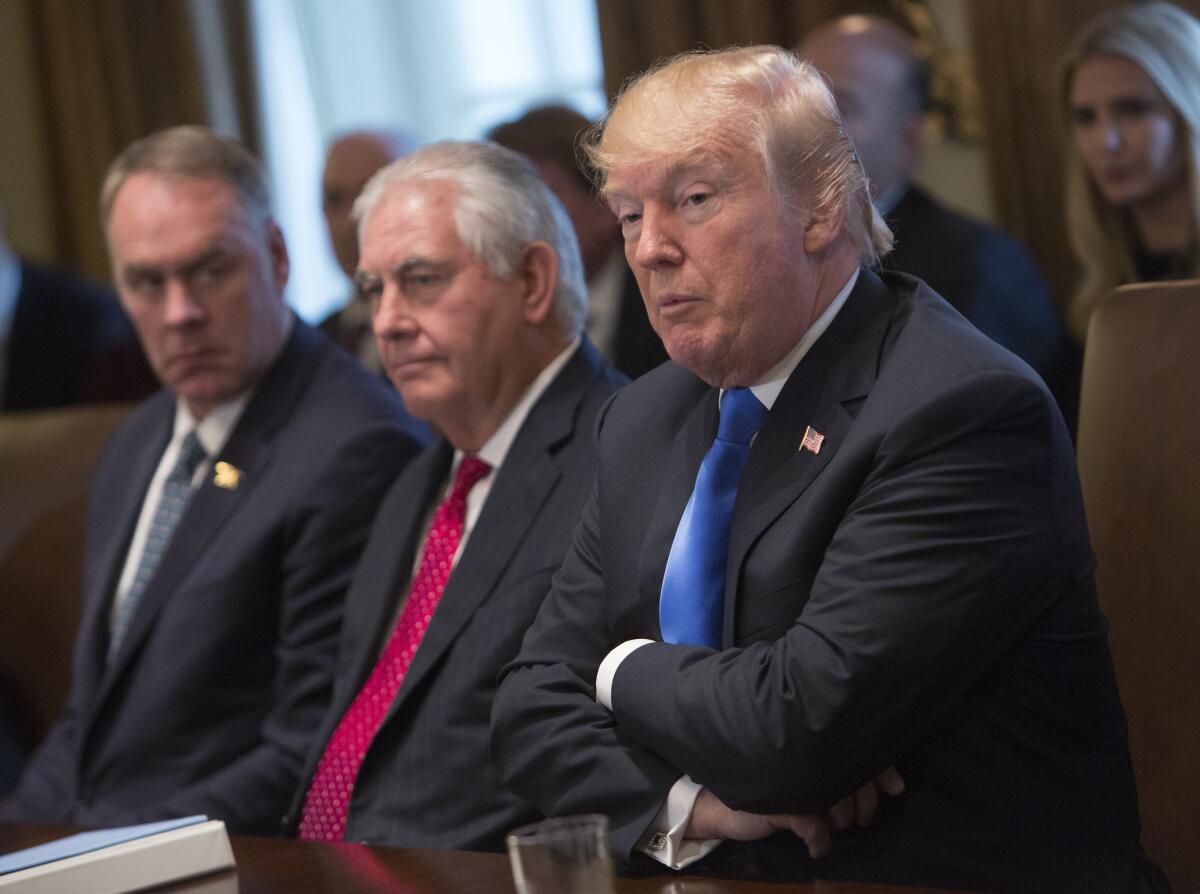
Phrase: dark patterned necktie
x=176 y=493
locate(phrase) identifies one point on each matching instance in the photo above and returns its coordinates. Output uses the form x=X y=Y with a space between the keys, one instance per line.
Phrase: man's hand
x=712 y=819
x=860 y=806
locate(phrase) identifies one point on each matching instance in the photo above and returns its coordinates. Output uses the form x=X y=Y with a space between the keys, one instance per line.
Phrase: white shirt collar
x=767 y=389
x=214 y=429
x=496 y=448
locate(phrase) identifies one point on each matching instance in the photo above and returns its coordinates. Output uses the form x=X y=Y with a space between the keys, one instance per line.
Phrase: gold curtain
x=111 y=71
x=636 y=33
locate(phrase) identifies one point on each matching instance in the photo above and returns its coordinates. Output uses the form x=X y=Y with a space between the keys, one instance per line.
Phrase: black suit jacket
x=637 y=349
x=986 y=274
x=919 y=593
x=427 y=780
x=225 y=670
x=66 y=334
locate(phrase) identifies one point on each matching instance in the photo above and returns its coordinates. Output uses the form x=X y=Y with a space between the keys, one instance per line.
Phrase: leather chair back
x=1139 y=462
x=46 y=463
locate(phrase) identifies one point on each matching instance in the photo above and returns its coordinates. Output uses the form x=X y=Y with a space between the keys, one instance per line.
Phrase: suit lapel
x=249 y=449
x=691 y=443
x=837 y=372
x=529 y=473
x=125 y=494
x=386 y=587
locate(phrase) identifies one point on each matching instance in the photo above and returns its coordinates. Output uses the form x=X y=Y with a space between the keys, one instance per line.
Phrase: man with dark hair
x=226 y=513
x=549 y=137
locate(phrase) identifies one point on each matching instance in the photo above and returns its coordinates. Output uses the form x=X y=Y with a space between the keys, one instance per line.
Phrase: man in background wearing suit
x=617 y=324
x=351 y=161
x=474 y=275
x=226 y=513
x=62 y=340
x=842 y=530
x=882 y=90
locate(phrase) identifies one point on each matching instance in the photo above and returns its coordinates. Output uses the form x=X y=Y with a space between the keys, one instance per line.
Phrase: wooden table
x=274 y=866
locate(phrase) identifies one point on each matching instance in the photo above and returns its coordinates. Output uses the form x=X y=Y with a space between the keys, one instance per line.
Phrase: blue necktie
x=176 y=493
x=691 y=606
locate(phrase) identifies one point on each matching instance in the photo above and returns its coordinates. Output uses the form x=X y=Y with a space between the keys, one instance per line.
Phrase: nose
x=657 y=245
x=392 y=317
x=1110 y=135
x=180 y=306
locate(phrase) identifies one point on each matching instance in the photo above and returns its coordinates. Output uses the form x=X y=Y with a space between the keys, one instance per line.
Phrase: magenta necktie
x=328 y=802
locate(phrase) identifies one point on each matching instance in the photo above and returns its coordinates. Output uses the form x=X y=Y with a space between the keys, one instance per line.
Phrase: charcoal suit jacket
x=210 y=703
x=427 y=780
x=918 y=592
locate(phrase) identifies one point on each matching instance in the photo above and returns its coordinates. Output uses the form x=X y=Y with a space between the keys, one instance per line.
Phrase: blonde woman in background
x=1131 y=90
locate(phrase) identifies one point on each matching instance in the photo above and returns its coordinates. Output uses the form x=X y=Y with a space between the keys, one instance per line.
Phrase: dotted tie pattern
x=176 y=493
x=328 y=801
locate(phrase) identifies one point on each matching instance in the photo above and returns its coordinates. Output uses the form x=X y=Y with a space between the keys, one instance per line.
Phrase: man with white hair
x=476 y=284
x=840 y=533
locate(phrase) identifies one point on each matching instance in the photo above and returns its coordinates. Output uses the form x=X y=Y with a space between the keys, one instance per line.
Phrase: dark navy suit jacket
x=427 y=780
x=918 y=593
x=225 y=671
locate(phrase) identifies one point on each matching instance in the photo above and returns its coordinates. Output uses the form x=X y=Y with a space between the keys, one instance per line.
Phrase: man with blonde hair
x=838 y=539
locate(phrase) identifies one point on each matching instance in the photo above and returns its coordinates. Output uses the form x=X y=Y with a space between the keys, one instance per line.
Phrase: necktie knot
x=191 y=453
x=470 y=470
x=742 y=415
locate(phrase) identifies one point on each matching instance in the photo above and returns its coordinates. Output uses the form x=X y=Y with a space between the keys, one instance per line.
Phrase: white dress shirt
x=664 y=840
x=493 y=452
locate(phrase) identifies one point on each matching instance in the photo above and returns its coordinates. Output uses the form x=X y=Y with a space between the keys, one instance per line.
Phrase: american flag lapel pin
x=812 y=440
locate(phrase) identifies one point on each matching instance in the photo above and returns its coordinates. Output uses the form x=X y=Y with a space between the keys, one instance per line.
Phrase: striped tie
x=176 y=492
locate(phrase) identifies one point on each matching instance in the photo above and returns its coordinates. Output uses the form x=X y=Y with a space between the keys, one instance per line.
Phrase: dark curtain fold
x=636 y=33
x=111 y=71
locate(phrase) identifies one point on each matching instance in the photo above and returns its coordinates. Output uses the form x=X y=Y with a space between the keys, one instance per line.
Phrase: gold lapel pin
x=227 y=476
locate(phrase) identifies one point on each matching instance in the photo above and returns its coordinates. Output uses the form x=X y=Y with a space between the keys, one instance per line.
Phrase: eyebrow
x=673 y=171
x=189 y=266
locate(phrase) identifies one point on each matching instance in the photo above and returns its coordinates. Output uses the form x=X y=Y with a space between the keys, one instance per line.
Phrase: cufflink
x=658 y=842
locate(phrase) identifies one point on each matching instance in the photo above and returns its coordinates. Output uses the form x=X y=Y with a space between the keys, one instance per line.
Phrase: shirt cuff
x=608 y=669
x=664 y=839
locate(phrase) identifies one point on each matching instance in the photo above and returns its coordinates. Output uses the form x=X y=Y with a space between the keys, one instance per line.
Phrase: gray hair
x=502 y=207
x=191 y=151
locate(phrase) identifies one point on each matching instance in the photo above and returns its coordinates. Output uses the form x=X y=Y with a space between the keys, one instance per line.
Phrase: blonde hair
x=714 y=102
x=1164 y=41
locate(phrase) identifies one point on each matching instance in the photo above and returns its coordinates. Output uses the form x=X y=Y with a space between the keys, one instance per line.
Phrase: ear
x=823 y=228
x=539 y=276
x=277 y=250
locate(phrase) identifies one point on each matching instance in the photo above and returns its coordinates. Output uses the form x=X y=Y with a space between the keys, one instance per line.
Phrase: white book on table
x=117 y=861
